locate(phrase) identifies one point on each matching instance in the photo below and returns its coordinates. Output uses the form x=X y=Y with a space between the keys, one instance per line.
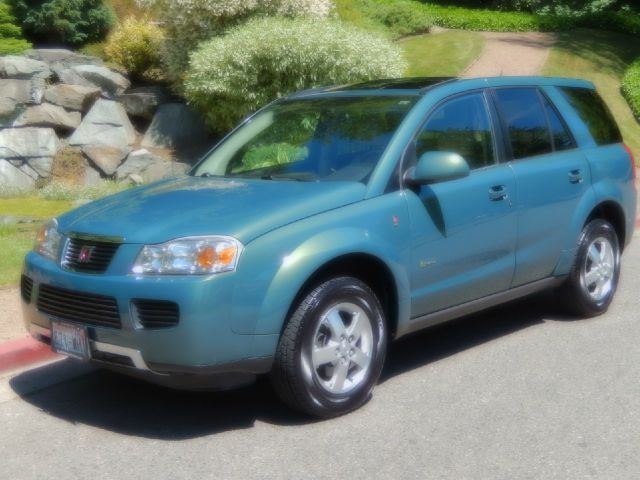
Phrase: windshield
x=325 y=139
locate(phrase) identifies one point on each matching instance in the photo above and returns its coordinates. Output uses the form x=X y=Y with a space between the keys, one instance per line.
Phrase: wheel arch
x=366 y=267
x=613 y=213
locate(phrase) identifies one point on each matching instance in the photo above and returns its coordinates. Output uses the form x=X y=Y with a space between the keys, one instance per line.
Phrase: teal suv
x=333 y=221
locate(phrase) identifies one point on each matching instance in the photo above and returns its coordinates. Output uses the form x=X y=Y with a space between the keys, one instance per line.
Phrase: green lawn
x=17 y=240
x=441 y=54
x=601 y=57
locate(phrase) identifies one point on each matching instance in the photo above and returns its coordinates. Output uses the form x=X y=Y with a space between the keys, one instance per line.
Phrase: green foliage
x=135 y=45
x=71 y=22
x=232 y=75
x=402 y=17
x=11 y=41
x=189 y=22
x=631 y=87
x=491 y=20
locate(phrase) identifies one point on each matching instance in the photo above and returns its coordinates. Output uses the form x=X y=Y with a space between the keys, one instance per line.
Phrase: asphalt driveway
x=517 y=393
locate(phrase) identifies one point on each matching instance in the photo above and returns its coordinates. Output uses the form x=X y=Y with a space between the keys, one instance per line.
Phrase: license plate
x=70 y=340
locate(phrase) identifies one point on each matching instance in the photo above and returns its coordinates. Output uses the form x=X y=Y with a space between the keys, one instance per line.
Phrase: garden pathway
x=512 y=54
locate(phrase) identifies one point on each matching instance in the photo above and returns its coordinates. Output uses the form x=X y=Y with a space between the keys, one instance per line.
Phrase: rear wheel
x=331 y=352
x=593 y=280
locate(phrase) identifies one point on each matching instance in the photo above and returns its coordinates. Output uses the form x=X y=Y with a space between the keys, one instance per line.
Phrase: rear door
x=463 y=231
x=551 y=174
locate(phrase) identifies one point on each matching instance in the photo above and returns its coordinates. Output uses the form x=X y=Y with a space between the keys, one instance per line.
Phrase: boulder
x=48 y=115
x=13 y=66
x=105 y=124
x=29 y=171
x=72 y=97
x=144 y=101
x=106 y=158
x=175 y=125
x=28 y=142
x=113 y=83
x=7 y=108
x=14 y=177
x=42 y=165
x=149 y=167
x=91 y=176
x=22 y=91
x=55 y=56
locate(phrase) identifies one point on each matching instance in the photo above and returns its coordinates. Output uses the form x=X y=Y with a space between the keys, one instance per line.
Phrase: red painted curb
x=22 y=352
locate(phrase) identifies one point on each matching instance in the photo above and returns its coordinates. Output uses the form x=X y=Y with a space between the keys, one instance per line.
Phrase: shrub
x=401 y=17
x=72 y=22
x=135 y=45
x=233 y=75
x=631 y=87
x=11 y=41
x=188 y=22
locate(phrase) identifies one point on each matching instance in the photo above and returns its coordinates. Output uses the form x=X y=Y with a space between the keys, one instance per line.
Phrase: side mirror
x=435 y=167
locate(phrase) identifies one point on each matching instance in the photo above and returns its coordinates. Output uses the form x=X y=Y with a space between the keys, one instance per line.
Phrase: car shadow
x=128 y=406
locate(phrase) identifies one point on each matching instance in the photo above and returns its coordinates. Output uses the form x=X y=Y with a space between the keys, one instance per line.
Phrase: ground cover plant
x=631 y=87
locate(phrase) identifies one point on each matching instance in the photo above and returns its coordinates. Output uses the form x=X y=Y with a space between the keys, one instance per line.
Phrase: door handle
x=497 y=193
x=575 y=176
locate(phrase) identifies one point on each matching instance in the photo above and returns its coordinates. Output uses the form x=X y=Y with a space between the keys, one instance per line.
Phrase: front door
x=463 y=231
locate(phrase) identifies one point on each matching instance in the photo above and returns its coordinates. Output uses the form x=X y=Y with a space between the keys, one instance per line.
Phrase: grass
x=16 y=240
x=441 y=54
x=601 y=57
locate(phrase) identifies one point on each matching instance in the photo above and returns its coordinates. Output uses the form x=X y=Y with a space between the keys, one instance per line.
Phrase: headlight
x=190 y=256
x=48 y=240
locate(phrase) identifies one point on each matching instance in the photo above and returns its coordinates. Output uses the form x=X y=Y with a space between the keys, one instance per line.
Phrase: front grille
x=88 y=256
x=26 y=287
x=156 y=313
x=79 y=307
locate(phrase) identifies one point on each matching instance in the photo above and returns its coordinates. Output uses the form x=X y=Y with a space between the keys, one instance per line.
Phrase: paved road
x=512 y=53
x=518 y=393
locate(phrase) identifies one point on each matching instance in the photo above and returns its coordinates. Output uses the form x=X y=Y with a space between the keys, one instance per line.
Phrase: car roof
x=421 y=85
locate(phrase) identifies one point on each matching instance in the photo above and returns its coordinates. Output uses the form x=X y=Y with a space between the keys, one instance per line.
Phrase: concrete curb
x=19 y=353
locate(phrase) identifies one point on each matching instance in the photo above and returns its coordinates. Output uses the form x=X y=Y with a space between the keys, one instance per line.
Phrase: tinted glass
x=594 y=113
x=325 y=139
x=522 y=113
x=462 y=126
x=562 y=139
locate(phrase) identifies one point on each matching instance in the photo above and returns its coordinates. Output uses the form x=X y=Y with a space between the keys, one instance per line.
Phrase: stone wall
x=52 y=99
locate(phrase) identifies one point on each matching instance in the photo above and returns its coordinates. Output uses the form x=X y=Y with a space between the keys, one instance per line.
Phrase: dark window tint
x=461 y=125
x=594 y=113
x=522 y=113
x=562 y=139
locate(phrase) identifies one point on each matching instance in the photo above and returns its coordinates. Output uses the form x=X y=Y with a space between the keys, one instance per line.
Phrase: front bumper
x=201 y=351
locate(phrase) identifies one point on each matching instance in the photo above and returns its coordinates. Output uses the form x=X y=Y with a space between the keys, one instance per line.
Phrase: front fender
x=270 y=282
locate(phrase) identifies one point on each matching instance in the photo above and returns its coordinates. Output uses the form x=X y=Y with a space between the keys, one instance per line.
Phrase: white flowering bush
x=188 y=22
x=232 y=75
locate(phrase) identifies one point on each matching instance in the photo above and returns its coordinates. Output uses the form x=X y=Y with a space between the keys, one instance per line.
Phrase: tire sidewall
x=594 y=229
x=338 y=290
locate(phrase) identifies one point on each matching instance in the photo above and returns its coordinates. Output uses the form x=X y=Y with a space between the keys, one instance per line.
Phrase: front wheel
x=593 y=280
x=332 y=349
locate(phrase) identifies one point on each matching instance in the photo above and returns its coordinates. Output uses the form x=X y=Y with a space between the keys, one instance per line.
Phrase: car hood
x=242 y=208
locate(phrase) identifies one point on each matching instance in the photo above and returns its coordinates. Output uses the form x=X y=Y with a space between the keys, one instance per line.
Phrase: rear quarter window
x=594 y=113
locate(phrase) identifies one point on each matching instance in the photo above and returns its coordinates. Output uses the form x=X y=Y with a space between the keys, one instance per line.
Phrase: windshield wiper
x=283 y=177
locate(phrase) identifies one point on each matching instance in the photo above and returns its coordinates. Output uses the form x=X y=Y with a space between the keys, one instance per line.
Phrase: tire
x=593 y=280
x=325 y=364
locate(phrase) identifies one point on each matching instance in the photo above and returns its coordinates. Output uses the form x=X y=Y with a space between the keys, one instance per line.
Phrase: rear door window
x=594 y=113
x=525 y=121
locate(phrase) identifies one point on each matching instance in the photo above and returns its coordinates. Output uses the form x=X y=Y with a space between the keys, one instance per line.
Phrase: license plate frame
x=70 y=339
